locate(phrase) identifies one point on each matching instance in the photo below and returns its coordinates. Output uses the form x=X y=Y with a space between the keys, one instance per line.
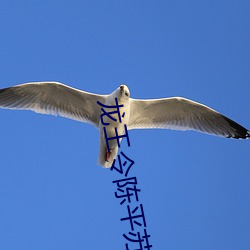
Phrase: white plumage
x=168 y=113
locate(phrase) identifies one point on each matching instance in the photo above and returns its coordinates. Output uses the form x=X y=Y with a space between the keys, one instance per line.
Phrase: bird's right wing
x=53 y=98
x=182 y=114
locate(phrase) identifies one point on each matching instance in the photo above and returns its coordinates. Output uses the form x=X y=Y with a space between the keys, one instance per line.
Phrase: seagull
x=175 y=113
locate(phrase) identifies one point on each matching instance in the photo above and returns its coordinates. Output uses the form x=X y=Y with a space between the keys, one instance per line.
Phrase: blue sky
x=195 y=188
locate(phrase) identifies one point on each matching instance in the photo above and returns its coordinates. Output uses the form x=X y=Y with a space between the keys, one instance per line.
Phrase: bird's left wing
x=182 y=114
x=53 y=98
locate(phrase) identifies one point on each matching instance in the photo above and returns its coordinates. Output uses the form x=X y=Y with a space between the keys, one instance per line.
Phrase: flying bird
x=175 y=113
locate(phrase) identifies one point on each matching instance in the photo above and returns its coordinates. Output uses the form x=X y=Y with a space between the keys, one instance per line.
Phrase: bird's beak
x=122 y=88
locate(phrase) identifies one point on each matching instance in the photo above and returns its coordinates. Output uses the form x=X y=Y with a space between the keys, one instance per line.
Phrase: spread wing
x=182 y=114
x=55 y=99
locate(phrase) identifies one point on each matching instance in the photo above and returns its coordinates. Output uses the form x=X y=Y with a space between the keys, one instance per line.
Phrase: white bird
x=167 y=113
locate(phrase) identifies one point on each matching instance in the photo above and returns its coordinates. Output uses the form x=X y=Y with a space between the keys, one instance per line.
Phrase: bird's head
x=121 y=93
x=124 y=92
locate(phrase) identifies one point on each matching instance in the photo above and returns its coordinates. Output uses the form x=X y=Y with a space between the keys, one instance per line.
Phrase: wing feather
x=182 y=114
x=55 y=99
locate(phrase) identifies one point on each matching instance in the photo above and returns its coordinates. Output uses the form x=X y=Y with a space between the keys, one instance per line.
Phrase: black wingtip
x=248 y=134
x=239 y=131
x=3 y=90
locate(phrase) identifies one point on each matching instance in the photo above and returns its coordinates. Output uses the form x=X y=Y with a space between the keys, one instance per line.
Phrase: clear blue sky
x=195 y=187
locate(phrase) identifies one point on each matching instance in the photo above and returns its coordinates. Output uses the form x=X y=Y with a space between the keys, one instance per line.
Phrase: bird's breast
x=112 y=124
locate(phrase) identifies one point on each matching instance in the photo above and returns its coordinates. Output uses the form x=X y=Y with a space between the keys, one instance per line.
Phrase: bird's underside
x=167 y=113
